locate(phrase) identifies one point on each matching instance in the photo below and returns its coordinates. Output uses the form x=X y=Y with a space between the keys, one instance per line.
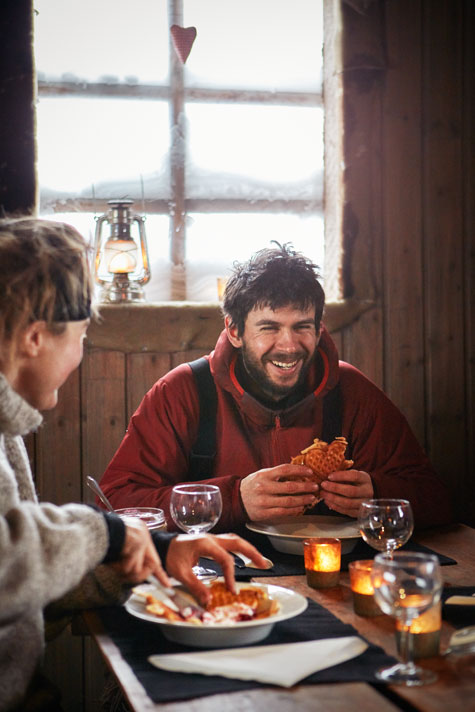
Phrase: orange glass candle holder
x=425 y=631
x=362 y=588
x=322 y=558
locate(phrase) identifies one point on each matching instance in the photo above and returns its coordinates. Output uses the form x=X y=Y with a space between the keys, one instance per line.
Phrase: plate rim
x=259 y=528
x=241 y=625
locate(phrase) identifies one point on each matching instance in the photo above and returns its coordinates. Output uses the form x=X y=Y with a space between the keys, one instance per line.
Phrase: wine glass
x=405 y=585
x=195 y=508
x=385 y=524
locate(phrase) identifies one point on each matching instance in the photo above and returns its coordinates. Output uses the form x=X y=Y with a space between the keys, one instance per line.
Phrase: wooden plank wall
x=410 y=134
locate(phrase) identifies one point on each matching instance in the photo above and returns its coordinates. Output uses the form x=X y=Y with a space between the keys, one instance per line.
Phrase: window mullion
x=177 y=162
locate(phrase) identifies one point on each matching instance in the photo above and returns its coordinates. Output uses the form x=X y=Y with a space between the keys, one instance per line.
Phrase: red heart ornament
x=183 y=38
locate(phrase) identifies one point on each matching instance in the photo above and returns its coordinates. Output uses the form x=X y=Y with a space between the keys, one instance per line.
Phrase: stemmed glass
x=385 y=524
x=405 y=585
x=196 y=508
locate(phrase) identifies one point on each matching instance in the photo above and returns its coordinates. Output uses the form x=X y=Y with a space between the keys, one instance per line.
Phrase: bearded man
x=277 y=384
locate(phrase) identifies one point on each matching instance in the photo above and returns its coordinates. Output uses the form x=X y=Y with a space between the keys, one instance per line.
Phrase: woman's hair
x=275 y=278
x=44 y=276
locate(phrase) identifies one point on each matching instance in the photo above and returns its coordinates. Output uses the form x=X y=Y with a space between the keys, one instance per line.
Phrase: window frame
x=178 y=206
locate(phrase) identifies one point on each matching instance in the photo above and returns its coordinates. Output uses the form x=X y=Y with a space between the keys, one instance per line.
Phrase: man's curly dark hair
x=273 y=277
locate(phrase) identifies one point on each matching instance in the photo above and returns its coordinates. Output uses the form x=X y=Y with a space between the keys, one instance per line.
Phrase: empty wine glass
x=405 y=585
x=385 y=524
x=196 y=508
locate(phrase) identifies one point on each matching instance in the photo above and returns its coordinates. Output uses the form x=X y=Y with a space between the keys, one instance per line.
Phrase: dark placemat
x=138 y=639
x=293 y=565
x=459 y=616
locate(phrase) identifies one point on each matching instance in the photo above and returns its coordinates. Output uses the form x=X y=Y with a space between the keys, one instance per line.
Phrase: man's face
x=277 y=348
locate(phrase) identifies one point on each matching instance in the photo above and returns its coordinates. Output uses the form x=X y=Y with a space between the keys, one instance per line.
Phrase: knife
x=185 y=604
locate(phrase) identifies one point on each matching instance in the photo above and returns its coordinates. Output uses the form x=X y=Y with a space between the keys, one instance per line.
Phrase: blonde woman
x=60 y=558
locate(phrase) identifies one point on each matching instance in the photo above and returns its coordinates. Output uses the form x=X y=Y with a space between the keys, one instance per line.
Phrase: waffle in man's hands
x=324 y=458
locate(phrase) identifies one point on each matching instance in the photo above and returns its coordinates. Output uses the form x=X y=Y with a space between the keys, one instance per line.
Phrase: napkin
x=460 y=601
x=282 y=665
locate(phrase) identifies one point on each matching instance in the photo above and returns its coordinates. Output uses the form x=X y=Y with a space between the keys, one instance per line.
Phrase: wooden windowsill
x=183 y=326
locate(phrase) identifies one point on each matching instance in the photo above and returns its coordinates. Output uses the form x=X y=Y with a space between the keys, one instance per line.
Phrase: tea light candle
x=426 y=632
x=362 y=588
x=322 y=562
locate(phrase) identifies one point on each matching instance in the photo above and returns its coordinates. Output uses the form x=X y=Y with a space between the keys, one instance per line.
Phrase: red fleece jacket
x=153 y=456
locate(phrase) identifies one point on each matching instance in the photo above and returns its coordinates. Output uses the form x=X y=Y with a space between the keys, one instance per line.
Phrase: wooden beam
x=18 y=193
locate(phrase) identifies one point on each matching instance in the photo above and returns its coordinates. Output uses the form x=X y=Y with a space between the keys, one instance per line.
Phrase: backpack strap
x=332 y=414
x=332 y=417
x=204 y=449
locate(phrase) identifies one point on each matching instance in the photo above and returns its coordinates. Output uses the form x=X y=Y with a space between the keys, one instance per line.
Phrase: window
x=222 y=154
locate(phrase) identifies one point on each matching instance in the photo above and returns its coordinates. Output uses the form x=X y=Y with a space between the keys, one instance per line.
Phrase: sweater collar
x=17 y=417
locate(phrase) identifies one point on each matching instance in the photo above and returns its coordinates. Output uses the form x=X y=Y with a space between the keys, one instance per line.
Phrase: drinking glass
x=405 y=585
x=385 y=524
x=196 y=508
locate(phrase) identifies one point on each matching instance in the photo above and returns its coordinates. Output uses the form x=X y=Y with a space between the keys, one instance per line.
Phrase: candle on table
x=322 y=561
x=362 y=588
x=425 y=630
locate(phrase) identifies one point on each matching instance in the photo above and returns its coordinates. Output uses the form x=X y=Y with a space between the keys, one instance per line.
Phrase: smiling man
x=278 y=385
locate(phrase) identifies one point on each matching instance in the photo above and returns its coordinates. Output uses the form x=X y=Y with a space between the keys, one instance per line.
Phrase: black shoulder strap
x=332 y=417
x=204 y=450
x=332 y=414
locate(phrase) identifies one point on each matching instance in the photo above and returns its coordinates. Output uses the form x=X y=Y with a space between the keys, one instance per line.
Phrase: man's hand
x=278 y=492
x=344 y=491
x=139 y=556
x=185 y=550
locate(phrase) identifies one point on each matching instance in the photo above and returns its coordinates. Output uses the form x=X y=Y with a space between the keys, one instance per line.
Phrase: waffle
x=324 y=458
x=255 y=598
x=160 y=609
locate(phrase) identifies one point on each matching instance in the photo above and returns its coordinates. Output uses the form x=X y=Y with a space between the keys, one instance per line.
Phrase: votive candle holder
x=362 y=590
x=322 y=557
x=425 y=631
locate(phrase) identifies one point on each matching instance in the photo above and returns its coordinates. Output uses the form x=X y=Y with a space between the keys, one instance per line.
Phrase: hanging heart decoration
x=183 y=38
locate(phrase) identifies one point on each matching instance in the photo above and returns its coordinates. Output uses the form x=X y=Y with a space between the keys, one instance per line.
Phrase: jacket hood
x=323 y=375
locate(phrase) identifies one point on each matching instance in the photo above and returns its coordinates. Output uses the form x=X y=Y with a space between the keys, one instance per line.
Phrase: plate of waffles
x=234 y=619
x=288 y=534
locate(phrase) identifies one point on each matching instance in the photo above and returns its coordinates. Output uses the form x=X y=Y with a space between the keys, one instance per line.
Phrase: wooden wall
x=402 y=147
x=406 y=197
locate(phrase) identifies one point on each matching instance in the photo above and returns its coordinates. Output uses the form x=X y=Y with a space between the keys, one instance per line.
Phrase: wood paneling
x=444 y=238
x=58 y=447
x=103 y=410
x=142 y=371
x=403 y=318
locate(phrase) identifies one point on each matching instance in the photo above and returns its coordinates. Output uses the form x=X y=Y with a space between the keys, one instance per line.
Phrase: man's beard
x=261 y=381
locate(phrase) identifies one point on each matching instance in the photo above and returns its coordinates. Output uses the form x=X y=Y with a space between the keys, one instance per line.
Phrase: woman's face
x=57 y=356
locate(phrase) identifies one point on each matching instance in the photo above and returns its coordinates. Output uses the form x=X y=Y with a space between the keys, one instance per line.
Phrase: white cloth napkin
x=461 y=601
x=283 y=664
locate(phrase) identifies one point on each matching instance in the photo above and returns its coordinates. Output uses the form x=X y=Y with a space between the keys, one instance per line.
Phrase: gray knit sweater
x=46 y=553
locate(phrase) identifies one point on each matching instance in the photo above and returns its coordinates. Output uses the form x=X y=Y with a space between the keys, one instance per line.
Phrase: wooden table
x=454 y=690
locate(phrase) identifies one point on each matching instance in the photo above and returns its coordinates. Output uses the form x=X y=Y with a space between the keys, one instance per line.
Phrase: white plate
x=223 y=636
x=287 y=536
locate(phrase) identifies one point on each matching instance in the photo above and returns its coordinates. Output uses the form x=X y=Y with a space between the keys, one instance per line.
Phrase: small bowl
x=153 y=517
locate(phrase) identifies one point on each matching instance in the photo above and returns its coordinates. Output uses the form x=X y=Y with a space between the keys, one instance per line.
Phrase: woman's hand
x=184 y=552
x=139 y=556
